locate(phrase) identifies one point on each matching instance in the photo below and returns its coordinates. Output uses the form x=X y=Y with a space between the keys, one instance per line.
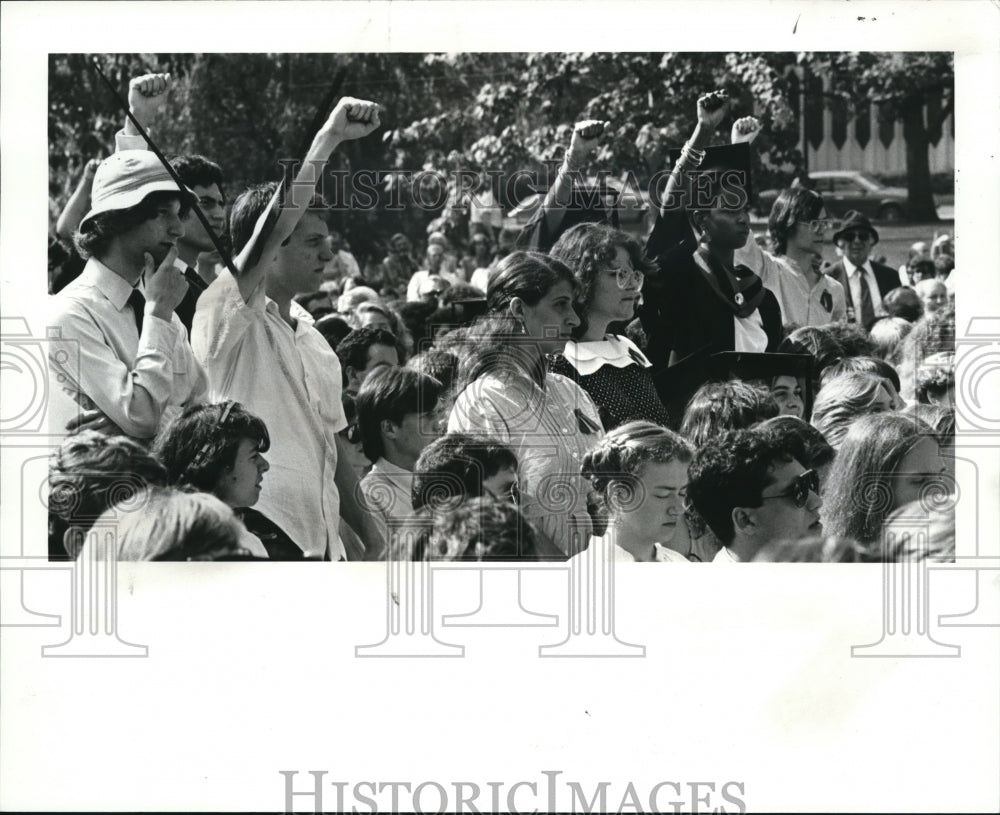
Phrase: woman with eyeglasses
x=219 y=449
x=639 y=476
x=506 y=391
x=609 y=267
x=700 y=299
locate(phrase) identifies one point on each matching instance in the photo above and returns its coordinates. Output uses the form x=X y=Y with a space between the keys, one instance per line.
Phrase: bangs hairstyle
x=589 y=249
x=390 y=394
x=452 y=469
x=200 y=445
x=623 y=451
x=249 y=205
x=94 y=237
x=796 y=205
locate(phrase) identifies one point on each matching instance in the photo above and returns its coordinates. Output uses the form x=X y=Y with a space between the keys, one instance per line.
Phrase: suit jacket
x=886 y=277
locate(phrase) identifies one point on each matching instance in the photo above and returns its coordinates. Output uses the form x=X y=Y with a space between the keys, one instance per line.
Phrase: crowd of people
x=699 y=395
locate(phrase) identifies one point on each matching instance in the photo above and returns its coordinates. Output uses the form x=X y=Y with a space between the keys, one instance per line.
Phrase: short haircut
x=168 y=524
x=922 y=270
x=441 y=364
x=861 y=365
x=852 y=339
x=197 y=171
x=94 y=236
x=353 y=349
x=858 y=494
x=618 y=457
x=91 y=471
x=334 y=328
x=732 y=470
x=841 y=401
x=796 y=205
x=887 y=333
x=588 y=249
x=390 y=394
x=481 y=529
x=720 y=406
x=816 y=342
x=804 y=441
x=453 y=467
x=249 y=205
x=904 y=302
x=200 y=445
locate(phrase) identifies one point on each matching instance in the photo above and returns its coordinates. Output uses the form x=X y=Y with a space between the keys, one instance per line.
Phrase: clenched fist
x=586 y=134
x=712 y=108
x=352 y=119
x=146 y=95
x=745 y=130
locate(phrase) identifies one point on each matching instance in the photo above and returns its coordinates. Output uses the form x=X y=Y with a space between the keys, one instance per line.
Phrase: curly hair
x=200 y=444
x=94 y=236
x=720 y=406
x=805 y=442
x=841 y=401
x=858 y=493
x=732 y=470
x=588 y=249
x=481 y=529
x=454 y=466
x=90 y=472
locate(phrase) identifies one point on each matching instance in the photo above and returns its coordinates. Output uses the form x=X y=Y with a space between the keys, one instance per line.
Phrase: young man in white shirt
x=121 y=354
x=397 y=421
x=259 y=346
x=750 y=490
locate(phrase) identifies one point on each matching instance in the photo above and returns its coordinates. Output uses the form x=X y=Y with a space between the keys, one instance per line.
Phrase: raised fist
x=353 y=119
x=583 y=141
x=146 y=95
x=745 y=130
x=712 y=108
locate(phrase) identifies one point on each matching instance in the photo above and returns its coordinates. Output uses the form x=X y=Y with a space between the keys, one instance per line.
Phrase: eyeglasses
x=351 y=433
x=851 y=236
x=799 y=489
x=628 y=278
x=821 y=225
x=513 y=494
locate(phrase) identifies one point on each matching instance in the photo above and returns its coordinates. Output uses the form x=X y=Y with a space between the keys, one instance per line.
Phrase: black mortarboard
x=722 y=180
x=678 y=383
x=587 y=204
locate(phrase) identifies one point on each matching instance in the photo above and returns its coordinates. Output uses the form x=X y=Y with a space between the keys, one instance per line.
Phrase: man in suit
x=865 y=282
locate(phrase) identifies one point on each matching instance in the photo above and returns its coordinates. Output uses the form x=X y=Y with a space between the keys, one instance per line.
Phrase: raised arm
x=586 y=134
x=79 y=202
x=350 y=119
x=146 y=95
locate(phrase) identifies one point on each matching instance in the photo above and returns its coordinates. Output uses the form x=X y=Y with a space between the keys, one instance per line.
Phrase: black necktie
x=138 y=303
x=867 y=306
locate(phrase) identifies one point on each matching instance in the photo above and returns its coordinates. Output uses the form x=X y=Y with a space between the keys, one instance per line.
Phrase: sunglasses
x=352 y=433
x=849 y=237
x=799 y=489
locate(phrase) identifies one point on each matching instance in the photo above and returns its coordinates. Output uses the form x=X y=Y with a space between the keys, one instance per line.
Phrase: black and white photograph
x=396 y=333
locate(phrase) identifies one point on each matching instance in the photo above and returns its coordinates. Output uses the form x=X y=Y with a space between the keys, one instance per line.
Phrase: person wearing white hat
x=119 y=353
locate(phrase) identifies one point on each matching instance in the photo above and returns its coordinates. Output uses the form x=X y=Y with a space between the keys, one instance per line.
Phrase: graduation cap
x=722 y=180
x=677 y=383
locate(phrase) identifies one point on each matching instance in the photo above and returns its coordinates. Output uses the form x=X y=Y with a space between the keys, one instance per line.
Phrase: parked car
x=844 y=190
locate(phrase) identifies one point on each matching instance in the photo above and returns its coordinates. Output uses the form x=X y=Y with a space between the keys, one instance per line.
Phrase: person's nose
x=572 y=319
x=814 y=503
x=176 y=227
x=326 y=253
x=264 y=465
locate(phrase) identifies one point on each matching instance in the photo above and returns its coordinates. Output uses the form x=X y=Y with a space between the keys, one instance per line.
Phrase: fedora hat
x=125 y=178
x=853 y=221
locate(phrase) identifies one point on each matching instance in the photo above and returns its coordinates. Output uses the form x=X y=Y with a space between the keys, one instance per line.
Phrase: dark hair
x=333 y=327
x=792 y=206
x=720 y=406
x=90 y=472
x=852 y=339
x=859 y=490
x=803 y=440
x=922 y=270
x=452 y=468
x=353 y=349
x=197 y=171
x=94 y=236
x=813 y=340
x=732 y=471
x=459 y=291
x=943 y=266
x=861 y=365
x=587 y=249
x=200 y=444
x=415 y=315
x=390 y=394
x=440 y=364
x=249 y=205
x=527 y=275
x=481 y=529
x=904 y=302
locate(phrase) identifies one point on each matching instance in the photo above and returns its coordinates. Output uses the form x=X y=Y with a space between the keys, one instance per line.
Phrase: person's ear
x=518 y=308
x=698 y=221
x=388 y=428
x=744 y=520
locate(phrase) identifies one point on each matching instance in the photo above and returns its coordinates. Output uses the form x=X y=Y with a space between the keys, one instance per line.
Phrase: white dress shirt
x=854 y=280
x=99 y=360
x=387 y=492
x=725 y=555
x=292 y=380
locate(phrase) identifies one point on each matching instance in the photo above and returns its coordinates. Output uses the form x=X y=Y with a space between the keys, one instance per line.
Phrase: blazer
x=886 y=277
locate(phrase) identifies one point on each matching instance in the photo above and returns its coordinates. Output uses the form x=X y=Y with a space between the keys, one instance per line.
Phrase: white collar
x=850 y=268
x=617 y=351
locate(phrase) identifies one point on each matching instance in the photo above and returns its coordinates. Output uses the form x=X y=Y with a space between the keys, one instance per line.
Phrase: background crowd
x=566 y=389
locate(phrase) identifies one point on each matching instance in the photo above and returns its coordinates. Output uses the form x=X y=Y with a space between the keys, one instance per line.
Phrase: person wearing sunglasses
x=798 y=226
x=865 y=282
x=750 y=489
x=609 y=267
